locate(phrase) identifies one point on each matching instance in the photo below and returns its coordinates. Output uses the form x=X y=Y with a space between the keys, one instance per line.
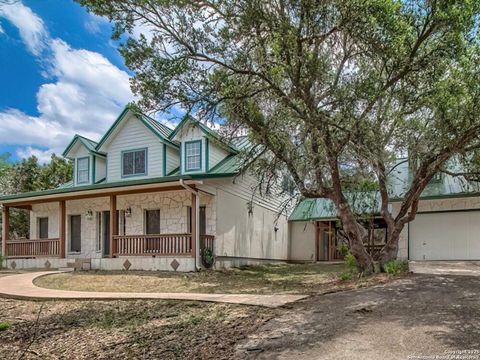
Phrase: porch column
x=61 y=227
x=194 y=225
x=113 y=221
x=5 y=229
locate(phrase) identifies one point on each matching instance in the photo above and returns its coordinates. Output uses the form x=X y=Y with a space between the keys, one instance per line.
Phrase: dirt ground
x=268 y=279
x=418 y=315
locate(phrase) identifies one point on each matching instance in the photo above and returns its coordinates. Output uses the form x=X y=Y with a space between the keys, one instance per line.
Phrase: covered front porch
x=155 y=227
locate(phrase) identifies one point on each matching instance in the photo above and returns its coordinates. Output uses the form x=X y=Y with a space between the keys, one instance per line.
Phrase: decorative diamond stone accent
x=47 y=264
x=175 y=264
x=13 y=265
x=127 y=264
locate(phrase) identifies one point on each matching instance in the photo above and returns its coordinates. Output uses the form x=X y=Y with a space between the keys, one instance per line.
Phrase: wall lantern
x=89 y=215
x=128 y=212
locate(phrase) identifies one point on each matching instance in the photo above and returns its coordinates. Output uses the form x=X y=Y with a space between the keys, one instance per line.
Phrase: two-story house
x=149 y=197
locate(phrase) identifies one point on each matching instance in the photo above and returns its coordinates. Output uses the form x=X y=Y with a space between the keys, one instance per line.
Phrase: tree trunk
x=390 y=250
x=355 y=235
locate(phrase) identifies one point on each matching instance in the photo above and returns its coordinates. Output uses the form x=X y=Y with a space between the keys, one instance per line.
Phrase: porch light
x=128 y=212
x=89 y=215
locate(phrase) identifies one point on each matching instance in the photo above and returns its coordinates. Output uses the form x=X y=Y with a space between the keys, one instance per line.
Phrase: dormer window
x=134 y=162
x=193 y=155
x=83 y=170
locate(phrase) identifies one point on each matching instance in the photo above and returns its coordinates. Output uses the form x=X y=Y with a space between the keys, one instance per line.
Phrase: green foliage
x=346 y=276
x=395 y=266
x=350 y=261
x=29 y=175
x=4 y=325
x=2 y=258
x=208 y=258
x=343 y=250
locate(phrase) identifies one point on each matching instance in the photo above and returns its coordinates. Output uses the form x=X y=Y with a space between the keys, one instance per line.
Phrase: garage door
x=445 y=236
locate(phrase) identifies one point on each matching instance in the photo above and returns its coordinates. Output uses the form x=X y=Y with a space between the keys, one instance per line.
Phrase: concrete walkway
x=20 y=286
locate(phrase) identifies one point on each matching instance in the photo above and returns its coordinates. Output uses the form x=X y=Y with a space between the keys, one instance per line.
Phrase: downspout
x=197 y=221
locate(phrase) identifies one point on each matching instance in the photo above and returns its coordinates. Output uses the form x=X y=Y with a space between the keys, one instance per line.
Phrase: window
x=43 y=228
x=83 y=167
x=134 y=162
x=152 y=222
x=193 y=155
x=103 y=228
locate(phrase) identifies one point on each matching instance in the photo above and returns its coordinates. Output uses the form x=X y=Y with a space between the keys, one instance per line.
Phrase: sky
x=60 y=75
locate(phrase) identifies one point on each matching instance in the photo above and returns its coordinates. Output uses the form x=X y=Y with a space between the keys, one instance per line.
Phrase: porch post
x=317 y=240
x=194 y=225
x=5 y=229
x=113 y=221
x=61 y=227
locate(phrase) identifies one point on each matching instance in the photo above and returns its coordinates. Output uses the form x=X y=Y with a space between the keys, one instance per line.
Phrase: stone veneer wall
x=173 y=216
x=463 y=203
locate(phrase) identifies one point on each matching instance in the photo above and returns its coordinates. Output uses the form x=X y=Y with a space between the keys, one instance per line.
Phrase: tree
x=334 y=90
x=28 y=175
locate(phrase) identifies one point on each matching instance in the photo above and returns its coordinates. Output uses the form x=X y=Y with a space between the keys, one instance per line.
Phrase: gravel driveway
x=420 y=315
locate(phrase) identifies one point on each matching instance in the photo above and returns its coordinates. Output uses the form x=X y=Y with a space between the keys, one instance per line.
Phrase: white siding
x=302 y=240
x=216 y=154
x=100 y=168
x=173 y=159
x=133 y=134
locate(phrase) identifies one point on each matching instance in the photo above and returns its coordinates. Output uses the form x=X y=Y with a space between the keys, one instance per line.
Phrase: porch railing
x=32 y=248
x=157 y=245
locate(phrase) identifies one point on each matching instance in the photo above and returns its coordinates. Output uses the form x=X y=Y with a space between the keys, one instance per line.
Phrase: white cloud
x=85 y=95
x=31 y=27
x=43 y=156
x=1 y=29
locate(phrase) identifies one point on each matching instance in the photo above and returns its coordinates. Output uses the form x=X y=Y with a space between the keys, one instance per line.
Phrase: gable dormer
x=89 y=165
x=201 y=148
x=137 y=147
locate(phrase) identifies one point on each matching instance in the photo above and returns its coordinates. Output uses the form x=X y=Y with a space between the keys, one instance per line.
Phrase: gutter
x=197 y=221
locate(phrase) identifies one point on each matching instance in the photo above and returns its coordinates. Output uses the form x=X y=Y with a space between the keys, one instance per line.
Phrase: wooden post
x=62 y=225
x=194 y=224
x=5 y=229
x=317 y=240
x=113 y=221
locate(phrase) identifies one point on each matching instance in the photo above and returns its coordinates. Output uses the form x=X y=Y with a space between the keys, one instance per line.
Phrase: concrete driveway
x=471 y=268
x=420 y=315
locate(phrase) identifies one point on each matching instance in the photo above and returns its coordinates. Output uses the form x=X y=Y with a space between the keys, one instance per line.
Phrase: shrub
x=207 y=258
x=343 y=250
x=347 y=275
x=395 y=266
x=350 y=261
x=4 y=325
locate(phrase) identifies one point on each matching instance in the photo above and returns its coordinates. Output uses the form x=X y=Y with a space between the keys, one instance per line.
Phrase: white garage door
x=445 y=236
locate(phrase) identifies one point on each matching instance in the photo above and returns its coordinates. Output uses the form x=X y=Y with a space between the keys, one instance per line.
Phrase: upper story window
x=193 y=155
x=83 y=170
x=134 y=162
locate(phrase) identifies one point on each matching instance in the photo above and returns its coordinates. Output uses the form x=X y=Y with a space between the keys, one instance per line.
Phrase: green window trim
x=145 y=161
x=207 y=155
x=88 y=170
x=186 y=170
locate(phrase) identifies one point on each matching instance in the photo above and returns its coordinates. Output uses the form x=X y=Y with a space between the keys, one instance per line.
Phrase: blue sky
x=61 y=74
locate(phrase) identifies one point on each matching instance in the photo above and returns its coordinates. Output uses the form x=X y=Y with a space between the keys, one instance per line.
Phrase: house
x=446 y=227
x=152 y=198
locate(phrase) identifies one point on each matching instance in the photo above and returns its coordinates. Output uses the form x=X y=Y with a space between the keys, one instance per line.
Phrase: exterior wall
x=173 y=159
x=133 y=134
x=243 y=238
x=173 y=217
x=465 y=203
x=100 y=168
x=215 y=154
x=302 y=241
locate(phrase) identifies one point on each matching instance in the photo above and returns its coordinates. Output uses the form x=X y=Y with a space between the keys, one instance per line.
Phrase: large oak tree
x=335 y=90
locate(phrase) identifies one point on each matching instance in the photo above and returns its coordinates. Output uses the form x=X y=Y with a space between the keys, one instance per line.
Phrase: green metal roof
x=324 y=209
x=90 y=145
x=162 y=129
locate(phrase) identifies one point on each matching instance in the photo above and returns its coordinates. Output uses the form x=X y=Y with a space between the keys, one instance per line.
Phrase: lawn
x=268 y=279
x=133 y=329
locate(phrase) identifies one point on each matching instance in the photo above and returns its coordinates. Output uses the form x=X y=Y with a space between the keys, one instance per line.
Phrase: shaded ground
x=125 y=329
x=268 y=279
x=416 y=315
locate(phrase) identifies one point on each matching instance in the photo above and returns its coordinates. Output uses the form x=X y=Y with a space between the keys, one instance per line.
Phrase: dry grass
x=268 y=279
x=134 y=329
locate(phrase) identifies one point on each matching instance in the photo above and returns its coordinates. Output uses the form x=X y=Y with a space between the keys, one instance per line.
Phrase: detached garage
x=452 y=235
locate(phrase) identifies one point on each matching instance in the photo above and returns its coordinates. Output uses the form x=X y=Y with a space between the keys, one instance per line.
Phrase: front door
x=106 y=233
x=75 y=233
